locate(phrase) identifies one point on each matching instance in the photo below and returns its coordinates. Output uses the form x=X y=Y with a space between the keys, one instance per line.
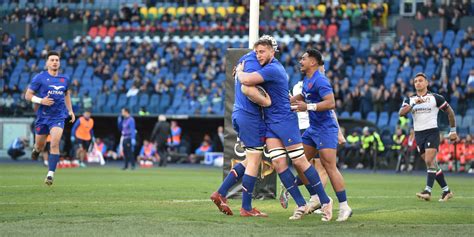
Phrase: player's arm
x=340 y=137
x=328 y=103
x=30 y=96
x=444 y=106
x=406 y=107
x=133 y=132
x=248 y=78
x=74 y=128
x=67 y=100
x=294 y=98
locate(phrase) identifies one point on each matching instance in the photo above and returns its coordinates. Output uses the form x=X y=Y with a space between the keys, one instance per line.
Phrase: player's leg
x=38 y=147
x=278 y=154
x=328 y=160
x=433 y=144
x=301 y=164
x=127 y=151
x=53 y=158
x=257 y=95
x=253 y=156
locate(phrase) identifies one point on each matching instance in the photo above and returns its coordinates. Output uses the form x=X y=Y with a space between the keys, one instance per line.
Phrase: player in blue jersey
x=248 y=123
x=282 y=136
x=322 y=136
x=49 y=90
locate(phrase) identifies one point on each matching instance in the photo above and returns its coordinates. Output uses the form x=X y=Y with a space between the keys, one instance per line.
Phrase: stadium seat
x=356 y=115
x=345 y=115
x=383 y=119
x=372 y=117
x=164 y=103
x=467 y=121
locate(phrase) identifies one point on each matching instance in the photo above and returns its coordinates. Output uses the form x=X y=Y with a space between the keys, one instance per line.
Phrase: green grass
x=174 y=202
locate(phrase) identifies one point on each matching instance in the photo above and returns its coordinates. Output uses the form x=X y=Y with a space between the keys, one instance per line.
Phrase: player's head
x=311 y=59
x=420 y=81
x=145 y=142
x=87 y=114
x=264 y=50
x=125 y=112
x=52 y=61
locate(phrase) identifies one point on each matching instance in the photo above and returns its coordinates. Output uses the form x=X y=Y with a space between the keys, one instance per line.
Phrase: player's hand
x=240 y=67
x=234 y=71
x=73 y=117
x=453 y=136
x=47 y=101
x=419 y=100
x=300 y=106
x=340 y=138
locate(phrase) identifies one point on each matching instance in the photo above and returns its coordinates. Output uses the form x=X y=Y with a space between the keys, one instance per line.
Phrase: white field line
x=191 y=200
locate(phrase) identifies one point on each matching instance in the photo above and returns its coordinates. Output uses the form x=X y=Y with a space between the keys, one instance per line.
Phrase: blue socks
x=53 y=160
x=312 y=191
x=248 y=183
x=288 y=179
x=232 y=178
x=315 y=182
x=341 y=196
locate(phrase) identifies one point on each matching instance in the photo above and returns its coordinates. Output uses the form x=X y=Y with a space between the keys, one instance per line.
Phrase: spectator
x=175 y=139
x=17 y=148
x=148 y=154
x=201 y=150
x=87 y=102
x=218 y=140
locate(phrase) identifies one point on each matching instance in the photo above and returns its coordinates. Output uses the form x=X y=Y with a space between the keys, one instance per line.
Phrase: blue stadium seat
x=356 y=115
x=467 y=121
x=394 y=119
x=448 y=38
x=143 y=101
x=372 y=117
x=121 y=102
x=164 y=103
x=383 y=119
x=438 y=37
x=100 y=102
x=132 y=104
x=344 y=115
x=154 y=103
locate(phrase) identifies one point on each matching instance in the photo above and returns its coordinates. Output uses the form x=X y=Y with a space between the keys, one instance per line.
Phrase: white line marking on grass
x=186 y=201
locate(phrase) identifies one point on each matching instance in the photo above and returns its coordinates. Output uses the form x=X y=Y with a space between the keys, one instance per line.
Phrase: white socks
x=50 y=173
x=343 y=205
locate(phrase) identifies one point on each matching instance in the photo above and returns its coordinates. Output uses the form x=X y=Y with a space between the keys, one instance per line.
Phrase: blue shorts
x=320 y=140
x=287 y=131
x=44 y=125
x=250 y=128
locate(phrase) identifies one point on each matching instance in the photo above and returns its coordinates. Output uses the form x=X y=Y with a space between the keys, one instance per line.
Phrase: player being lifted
x=424 y=106
x=49 y=89
x=282 y=135
x=248 y=123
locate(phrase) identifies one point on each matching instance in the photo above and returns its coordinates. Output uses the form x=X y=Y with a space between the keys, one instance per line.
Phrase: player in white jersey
x=425 y=106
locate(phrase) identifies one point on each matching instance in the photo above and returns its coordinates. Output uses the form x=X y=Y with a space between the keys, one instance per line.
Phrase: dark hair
x=126 y=109
x=52 y=53
x=264 y=42
x=314 y=53
x=420 y=74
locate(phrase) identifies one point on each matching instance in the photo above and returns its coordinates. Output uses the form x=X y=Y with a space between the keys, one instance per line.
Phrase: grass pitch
x=175 y=201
